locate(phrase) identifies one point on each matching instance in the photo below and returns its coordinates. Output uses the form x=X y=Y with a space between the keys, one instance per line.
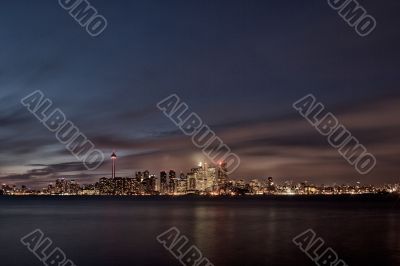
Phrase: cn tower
x=113 y=158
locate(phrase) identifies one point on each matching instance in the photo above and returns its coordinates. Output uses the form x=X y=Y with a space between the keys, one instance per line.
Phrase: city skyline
x=210 y=179
x=146 y=184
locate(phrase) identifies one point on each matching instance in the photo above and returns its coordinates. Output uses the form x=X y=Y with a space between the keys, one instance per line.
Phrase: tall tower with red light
x=114 y=159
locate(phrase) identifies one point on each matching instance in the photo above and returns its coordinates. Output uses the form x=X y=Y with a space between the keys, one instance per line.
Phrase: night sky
x=239 y=65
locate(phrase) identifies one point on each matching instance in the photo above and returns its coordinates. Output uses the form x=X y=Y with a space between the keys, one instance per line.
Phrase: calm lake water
x=122 y=231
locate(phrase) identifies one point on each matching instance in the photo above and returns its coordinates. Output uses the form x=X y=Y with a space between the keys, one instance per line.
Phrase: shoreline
x=321 y=197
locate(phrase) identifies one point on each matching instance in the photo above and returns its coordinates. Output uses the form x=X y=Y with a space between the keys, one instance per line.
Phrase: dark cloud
x=286 y=147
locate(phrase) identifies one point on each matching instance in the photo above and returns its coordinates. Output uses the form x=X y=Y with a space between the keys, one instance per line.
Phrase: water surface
x=122 y=231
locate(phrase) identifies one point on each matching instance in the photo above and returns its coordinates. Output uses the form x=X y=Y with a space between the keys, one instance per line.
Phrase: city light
x=202 y=180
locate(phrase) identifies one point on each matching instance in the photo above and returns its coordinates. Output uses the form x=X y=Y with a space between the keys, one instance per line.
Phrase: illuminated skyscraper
x=200 y=177
x=270 y=185
x=211 y=180
x=139 y=177
x=146 y=174
x=113 y=158
x=222 y=175
x=191 y=182
x=255 y=186
x=172 y=181
x=182 y=184
x=153 y=184
x=205 y=178
x=148 y=184
x=163 y=183
x=118 y=185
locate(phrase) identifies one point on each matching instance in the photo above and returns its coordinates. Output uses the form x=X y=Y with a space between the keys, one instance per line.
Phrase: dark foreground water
x=122 y=231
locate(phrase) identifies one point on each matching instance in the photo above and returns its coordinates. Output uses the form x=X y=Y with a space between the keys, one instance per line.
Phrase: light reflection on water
x=236 y=232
